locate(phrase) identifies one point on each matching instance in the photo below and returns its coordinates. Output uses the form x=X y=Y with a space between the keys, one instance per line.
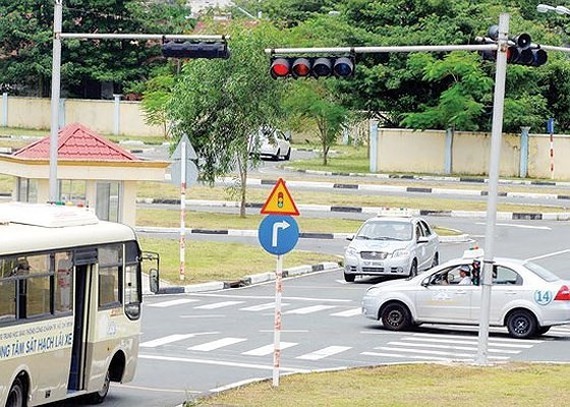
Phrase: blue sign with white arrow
x=278 y=234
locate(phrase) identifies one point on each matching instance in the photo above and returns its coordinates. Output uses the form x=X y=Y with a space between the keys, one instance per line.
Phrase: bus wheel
x=99 y=397
x=16 y=395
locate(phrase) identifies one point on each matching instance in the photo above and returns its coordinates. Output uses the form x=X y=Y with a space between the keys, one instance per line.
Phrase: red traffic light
x=317 y=67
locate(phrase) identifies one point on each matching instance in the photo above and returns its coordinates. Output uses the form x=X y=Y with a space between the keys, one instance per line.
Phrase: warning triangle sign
x=280 y=201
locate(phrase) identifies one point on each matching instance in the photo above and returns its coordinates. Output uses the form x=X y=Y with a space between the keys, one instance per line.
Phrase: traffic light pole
x=56 y=77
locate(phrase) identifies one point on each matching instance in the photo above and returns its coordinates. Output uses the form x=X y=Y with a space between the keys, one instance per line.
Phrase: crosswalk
x=461 y=345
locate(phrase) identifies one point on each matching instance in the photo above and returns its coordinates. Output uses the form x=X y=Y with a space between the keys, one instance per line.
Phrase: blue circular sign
x=278 y=234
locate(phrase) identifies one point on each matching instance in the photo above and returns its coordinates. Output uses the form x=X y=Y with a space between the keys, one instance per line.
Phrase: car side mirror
x=423 y=239
x=425 y=282
x=350 y=238
x=153 y=280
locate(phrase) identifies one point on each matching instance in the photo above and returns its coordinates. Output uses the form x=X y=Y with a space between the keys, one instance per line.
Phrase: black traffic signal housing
x=316 y=67
x=192 y=50
x=520 y=49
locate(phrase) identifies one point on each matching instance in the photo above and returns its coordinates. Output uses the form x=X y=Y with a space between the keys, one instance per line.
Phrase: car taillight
x=563 y=294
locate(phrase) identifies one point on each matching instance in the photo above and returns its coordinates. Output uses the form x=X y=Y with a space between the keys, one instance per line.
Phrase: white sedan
x=525 y=297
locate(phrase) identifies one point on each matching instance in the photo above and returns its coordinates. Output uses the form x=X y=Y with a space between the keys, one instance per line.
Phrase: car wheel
x=396 y=317
x=16 y=395
x=542 y=330
x=414 y=268
x=288 y=155
x=349 y=278
x=99 y=397
x=521 y=324
x=435 y=261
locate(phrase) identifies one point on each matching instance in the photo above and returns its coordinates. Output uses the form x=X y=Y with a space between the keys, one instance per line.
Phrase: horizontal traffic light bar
x=163 y=37
x=192 y=50
x=366 y=50
x=318 y=67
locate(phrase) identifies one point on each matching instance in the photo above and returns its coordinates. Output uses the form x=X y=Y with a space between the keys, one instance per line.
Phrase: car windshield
x=385 y=230
x=540 y=271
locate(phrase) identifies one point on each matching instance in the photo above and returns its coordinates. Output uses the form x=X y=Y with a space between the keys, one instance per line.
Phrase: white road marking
x=220 y=343
x=290 y=331
x=268 y=349
x=172 y=338
x=443 y=336
x=262 y=307
x=172 y=303
x=548 y=255
x=323 y=353
x=309 y=310
x=271 y=297
x=220 y=363
x=436 y=352
x=395 y=355
x=348 y=313
x=217 y=305
x=518 y=226
x=473 y=342
x=451 y=347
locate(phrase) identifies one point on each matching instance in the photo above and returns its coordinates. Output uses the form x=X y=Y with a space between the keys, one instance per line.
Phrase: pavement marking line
x=220 y=363
x=436 y=352
x=153 y=389
x=451 y=347
x=270 y=297
x=171 y=303
x=268 y=349
x=220 y=343
x=235 y=384
x=395 y=355
x=348 y=313
x=548 y=255
x=518 y=226
x=289 y=331
x=217 y=305
x=309 y=310
x=473 y=342
x=323 y=353
x=517 y=341
x=262 y=307
x=172 y=338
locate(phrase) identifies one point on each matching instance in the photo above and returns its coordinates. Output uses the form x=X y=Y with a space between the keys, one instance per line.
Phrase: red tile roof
x=77 y=142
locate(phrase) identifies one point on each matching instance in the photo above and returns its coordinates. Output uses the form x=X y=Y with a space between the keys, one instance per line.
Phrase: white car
x=525 y=297
x=391 y=246
x=270 y=143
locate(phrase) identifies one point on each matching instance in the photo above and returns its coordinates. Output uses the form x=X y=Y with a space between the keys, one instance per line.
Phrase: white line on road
x=219 y=363
x=153 y=389
x=217 y=305
x=348 y=313
x=457 y=337
x=262 y=307
x=220 y=343
x=172 y=338
x=518 y=226
x=451 y=347
x=270 y=297
x=436 y=352
x=309 y=310
x=474 y=341
x=289 y=331
x=268 y=349
x=395 y=355
x=172 y=303
x=548 y=255
x=323 y=353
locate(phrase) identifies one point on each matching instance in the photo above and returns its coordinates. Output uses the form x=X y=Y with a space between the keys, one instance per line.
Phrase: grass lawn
x=426 y=385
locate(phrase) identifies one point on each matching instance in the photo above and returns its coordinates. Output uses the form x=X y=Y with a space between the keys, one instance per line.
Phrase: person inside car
x=464 y=274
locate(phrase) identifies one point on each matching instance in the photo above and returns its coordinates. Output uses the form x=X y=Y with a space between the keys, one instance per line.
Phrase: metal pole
x=117 y=115
x=55 y=89
x=523 y=160
x=5 y=109
x=403 y=48
x=551 y=131
x=277 y=324
x=373 y=143
x=497 y=129
x=182 y=208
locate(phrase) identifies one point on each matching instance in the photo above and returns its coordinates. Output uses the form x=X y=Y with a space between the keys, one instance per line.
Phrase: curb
x=245 y=281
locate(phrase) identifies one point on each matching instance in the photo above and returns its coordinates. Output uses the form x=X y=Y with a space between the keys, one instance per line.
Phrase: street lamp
x=545 y=8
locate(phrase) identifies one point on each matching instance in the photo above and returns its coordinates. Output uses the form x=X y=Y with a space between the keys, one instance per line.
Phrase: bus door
x=84 y=261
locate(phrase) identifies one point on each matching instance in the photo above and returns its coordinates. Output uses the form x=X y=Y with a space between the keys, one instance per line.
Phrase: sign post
x=278 y=234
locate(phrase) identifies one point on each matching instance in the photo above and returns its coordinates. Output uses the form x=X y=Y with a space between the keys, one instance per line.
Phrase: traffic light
x=188 y=49
x=317 y=67
x=520 y=49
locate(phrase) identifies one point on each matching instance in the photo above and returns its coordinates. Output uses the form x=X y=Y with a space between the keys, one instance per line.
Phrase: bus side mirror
x=153 y=280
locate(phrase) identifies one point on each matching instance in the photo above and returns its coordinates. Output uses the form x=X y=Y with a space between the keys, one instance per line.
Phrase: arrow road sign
x=278 y=234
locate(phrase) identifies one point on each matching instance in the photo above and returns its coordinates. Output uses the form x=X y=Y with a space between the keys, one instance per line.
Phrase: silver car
x=391 y=246
x=525 y=297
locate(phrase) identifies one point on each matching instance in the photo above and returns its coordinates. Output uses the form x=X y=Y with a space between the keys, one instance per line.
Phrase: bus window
x=110 y=267
x=64 y=282
x=35 y=276
x=132 y=280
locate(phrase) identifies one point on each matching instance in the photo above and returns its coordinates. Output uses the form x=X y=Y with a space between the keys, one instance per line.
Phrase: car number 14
x=542 y=297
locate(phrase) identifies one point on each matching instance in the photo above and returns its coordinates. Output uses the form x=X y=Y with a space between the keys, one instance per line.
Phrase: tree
x=220 y=103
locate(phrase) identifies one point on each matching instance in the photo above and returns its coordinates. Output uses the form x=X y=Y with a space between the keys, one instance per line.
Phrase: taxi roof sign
x=280 y=201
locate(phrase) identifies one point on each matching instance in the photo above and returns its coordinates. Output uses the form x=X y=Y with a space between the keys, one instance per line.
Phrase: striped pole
x=550 y=129
x=182 y=207
x=277 y=325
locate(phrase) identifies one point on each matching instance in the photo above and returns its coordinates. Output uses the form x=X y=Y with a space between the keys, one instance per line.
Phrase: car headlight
x=401 y=253
x=351 y=251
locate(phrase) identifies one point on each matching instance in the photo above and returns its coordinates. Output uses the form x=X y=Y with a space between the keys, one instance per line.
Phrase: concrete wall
x=99 y=115
x=402 y=150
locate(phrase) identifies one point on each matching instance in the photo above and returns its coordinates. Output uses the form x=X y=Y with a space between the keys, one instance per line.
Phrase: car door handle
x=461 y=292
x=511 y=292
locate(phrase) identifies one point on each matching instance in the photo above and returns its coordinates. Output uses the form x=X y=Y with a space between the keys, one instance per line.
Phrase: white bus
x=70 y=304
